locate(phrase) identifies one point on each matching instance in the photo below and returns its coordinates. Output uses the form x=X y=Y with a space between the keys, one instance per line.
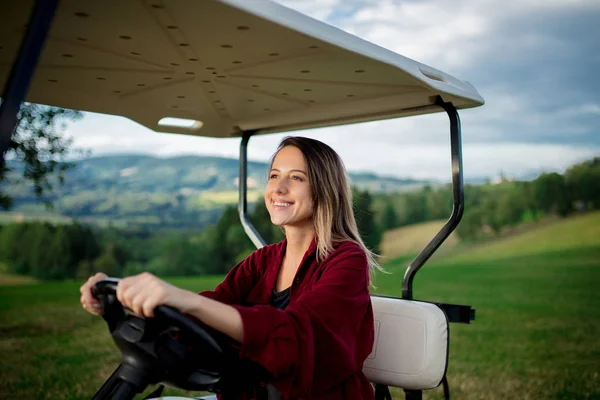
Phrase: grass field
x=411 y=239
x=225 y=197
x=536 y=335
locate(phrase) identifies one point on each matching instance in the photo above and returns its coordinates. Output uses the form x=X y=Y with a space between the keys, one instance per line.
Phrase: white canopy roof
x=233 y=65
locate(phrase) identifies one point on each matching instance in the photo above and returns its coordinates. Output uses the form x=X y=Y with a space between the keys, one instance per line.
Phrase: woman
x=299 y=308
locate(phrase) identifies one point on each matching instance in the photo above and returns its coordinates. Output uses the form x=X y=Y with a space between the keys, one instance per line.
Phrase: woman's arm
x=144 y=292
x=215 y=314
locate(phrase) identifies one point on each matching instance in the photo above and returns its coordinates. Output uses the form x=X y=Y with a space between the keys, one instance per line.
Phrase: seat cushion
x=411 y=344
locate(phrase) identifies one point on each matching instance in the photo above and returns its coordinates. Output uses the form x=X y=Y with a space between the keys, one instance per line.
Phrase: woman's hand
x=144 y=292
x=89 y=302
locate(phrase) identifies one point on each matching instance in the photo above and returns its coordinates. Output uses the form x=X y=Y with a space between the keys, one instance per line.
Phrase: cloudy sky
x=535 y=62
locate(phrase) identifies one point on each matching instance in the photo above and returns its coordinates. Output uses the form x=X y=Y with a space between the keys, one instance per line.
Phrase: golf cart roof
x=233 y=65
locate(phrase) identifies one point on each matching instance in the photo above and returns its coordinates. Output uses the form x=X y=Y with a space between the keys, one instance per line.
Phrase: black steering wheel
x=169 y=348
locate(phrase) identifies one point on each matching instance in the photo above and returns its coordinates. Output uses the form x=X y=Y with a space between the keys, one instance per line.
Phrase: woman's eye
x=298 y=178
x=272 y=176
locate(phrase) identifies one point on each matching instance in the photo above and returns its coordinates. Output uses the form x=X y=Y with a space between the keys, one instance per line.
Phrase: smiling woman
x=318 y=276
x=300 y=309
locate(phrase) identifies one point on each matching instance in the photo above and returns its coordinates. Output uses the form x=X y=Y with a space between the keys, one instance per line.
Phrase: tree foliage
x=389 y=218
x=49 y=251
x=550 y=194
x=39 y=145
x=366 y=220
x=493 y=207
x=582 y=181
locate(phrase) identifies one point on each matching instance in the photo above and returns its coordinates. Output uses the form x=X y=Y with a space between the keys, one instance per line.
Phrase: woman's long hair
x=333 y=216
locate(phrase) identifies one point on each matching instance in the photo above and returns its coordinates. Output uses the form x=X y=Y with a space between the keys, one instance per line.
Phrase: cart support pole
x=457 y=197
x=23 y=69
x=243 y=188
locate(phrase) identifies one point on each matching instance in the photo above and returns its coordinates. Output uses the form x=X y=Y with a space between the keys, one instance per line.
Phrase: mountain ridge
x=166 y=191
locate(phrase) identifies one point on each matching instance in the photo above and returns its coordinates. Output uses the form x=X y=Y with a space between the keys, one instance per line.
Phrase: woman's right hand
x=89 y=302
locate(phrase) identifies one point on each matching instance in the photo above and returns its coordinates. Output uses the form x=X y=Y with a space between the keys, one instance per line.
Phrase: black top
x=279 y=300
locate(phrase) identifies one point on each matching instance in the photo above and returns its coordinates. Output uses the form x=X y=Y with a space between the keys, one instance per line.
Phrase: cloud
x=532 y=60
x=320 y=10
x=396 y=152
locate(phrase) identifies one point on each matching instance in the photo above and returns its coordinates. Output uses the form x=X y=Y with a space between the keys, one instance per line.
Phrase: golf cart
x=231 y=68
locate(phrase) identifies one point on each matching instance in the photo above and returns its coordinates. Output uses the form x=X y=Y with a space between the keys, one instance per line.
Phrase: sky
x=535 y=62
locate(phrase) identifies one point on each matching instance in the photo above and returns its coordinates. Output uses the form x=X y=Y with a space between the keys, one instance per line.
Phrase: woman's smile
x=282 y=204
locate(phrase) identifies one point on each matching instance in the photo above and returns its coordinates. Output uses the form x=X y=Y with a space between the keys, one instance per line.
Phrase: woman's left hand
x=144 y=292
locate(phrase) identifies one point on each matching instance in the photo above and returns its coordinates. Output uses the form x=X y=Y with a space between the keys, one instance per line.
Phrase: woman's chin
x=277 y=222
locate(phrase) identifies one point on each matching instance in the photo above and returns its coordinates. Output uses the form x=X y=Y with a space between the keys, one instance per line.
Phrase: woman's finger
x=123 y=291
x=148 y=307
x=136 y=305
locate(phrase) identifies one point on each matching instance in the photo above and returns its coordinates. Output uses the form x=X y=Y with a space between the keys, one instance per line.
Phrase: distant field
x=412 y=239
x=11 y=279
x=8 y=217
x=561 y=235
x=226 y=197
x=535 y=335
x=53 y=218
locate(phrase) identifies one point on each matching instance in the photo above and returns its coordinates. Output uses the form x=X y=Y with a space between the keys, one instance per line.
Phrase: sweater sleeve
x=322 y=333
x=237 y=283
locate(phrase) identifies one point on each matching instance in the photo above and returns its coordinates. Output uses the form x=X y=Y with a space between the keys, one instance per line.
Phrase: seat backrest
x=411 y=344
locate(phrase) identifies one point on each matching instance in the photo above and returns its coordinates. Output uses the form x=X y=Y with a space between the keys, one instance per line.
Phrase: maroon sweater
x=315 y=348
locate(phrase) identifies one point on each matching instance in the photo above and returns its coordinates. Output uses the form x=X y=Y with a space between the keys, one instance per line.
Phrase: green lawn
x=411 y=239
x=536 y=335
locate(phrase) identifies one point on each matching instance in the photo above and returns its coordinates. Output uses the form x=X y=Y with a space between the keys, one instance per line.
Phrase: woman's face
x=288 y=195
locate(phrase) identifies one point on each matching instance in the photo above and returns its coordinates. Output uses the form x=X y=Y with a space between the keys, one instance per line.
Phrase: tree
x=471 y=223
x=37 y=151
x=38 y=240
x=59 y=260
x=261 y=219
x=550 y=194
x=365 y=219
x=583 y=182
x=227 y=241
x=416 y=206
x=48 y=251
x=389 y=218
x=490 y=210
x=526 y=191
x=107 y=264
x=439 y=203
x=510 y=208
x=10 y=238
x=181 y=256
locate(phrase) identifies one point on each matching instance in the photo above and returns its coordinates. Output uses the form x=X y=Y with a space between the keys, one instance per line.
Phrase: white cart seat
x=411 y=344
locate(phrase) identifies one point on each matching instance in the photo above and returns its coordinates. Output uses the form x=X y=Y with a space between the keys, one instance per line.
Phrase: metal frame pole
x=457 y=196
x=23 y=69
x=243 y=189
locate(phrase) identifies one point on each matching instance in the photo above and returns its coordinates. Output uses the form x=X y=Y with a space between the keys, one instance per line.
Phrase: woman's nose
x=281 y=186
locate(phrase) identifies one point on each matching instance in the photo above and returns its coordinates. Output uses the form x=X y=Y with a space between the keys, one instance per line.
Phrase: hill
x=537 y=304
x=410 y=240
x=187 y=191
x=575 y=233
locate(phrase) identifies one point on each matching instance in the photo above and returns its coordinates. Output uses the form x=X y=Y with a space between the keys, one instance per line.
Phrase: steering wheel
x=169 y=348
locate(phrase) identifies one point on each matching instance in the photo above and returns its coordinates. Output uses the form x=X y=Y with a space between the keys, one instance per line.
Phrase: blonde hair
x=333 y=216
